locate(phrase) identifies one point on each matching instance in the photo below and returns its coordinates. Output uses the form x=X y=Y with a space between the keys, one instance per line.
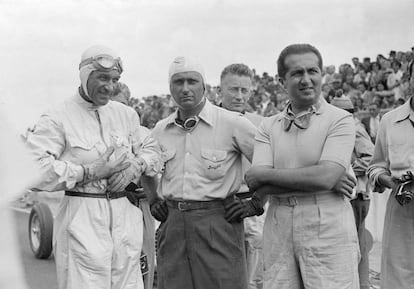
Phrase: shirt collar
x=205 y=115
x=317 y=108
x=404 y=112
x=86 y=104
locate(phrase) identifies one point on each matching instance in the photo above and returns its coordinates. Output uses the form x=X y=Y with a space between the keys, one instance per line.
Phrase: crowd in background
x=383 y=81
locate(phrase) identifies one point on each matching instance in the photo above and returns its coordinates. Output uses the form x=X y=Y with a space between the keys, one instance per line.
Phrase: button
x=214 y=158
x=188 y=133
x=188 y=153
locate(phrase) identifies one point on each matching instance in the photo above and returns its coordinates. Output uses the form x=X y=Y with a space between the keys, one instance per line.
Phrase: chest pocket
x=81 y=151
x=214 y=163
x=168 y=169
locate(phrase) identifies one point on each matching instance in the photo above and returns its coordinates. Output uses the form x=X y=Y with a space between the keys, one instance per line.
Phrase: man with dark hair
x=357 y=64
x=393 y=157
x=235 y=89
x=371 y=122
x=301 y=157
x=394 y=80
x=392 y=55
x=361 y=156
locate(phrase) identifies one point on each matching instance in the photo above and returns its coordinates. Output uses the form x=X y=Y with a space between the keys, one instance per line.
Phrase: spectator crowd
x=383 y=82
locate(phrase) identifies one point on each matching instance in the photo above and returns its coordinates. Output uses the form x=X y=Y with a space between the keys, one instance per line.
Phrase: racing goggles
x=103 y=62
x=188 y=124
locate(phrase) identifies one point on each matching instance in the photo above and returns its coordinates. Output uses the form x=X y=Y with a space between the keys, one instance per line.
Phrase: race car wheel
x=41 y=230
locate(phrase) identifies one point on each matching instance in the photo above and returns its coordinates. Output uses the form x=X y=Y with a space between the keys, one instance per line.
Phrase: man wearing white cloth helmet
x=202 y=147
x=90 y=147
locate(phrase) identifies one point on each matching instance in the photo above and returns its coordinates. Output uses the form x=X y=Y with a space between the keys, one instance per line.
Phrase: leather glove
x=119 y=181
x=159 y=210
x=238 y=209
x=103 y=168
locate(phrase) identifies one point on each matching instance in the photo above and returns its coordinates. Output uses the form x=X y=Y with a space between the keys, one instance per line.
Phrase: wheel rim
x=35 y=233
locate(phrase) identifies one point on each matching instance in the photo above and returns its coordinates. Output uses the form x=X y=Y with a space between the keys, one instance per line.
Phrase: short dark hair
x=374 y=103
x=363 y=83
x=295 y=49
x=397 y=63
x=239 y=69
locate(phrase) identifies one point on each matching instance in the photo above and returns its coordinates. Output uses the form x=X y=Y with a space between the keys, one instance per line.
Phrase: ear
x=282 y=81
x=218 y=90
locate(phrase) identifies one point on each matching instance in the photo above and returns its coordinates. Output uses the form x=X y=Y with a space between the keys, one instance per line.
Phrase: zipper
x=107 y=193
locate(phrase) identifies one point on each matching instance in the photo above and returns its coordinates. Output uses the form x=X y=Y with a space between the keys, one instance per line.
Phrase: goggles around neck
x=103 y=62
x=188 y=124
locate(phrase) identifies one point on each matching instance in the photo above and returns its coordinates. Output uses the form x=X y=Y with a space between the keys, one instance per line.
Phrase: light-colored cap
x=86 y=70
x=185 y=64
x=98 y=50
x=343 y=102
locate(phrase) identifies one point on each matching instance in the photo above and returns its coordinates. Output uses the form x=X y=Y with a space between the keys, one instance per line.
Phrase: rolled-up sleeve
x=46 y=142
x=380 y=161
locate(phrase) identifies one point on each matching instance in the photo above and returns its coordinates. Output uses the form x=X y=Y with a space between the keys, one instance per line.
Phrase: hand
x=345 y=185
x=103 y=168
x=238 y=209
x=119 y=181
x=385 y=180
x=159 y=210
x=253 y=177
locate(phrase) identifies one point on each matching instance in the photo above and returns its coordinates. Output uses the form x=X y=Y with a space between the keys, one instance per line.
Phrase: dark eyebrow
x=182 y=79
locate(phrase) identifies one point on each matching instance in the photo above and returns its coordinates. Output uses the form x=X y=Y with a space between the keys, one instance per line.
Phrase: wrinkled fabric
x=311 y=245
x=253 y=228
x=394 y=154
x=204 y=164
x=361 y=156
x=199 y=249
x=148 y=245
x=97 y=242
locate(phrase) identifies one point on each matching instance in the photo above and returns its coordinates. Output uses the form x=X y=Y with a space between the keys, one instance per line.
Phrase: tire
x=41 y=231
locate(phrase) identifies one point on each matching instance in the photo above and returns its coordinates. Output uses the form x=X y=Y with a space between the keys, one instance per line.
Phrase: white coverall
x=97 y=242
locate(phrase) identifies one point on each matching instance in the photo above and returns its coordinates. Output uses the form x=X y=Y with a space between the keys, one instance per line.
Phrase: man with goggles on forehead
x=202 y=147
x=103 y=62
x=92 y=148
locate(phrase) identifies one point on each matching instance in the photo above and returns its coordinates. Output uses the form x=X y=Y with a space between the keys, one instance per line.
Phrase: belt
x=305 y=200
x=194 y=205
x=107 y=195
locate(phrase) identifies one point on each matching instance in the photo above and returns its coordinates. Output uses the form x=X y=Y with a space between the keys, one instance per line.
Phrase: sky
x=42 y=40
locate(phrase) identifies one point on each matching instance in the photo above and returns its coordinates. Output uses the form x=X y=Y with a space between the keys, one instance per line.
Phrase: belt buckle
x=108 y=195
x=182 y=206
x=292 y=201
